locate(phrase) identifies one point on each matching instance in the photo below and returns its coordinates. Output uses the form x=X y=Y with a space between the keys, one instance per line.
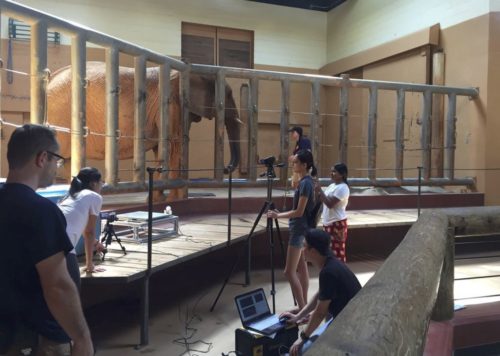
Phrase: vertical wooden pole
x=220 y=104
x=425 y=138
x=344 y=119
x=372 y=133
x=284 y=123
x=451 y=131
x=139 y=119
x=315 y=121
x=244 y=108
x=38 y=67
x=112 y=97
x=253 y=128
x=437 y=140
x=400 y=129
x=164 y=93
x=78 y=103
x=185 y=125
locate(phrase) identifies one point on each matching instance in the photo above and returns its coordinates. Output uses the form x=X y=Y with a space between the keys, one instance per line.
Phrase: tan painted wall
x=466 y=50
x=284 y=36
x=356 y=26
x=492 y=158
x=472 y=59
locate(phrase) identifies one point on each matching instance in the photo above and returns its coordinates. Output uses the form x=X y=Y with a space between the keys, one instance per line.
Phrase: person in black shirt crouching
x=337 y=286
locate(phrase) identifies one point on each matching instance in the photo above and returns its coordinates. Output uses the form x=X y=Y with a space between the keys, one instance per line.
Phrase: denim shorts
x=297 y=231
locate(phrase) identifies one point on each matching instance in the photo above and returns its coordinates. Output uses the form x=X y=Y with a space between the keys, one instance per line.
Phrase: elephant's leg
x=175 y=155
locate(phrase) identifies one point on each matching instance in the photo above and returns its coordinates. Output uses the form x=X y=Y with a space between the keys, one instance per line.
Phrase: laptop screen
x=252 y=305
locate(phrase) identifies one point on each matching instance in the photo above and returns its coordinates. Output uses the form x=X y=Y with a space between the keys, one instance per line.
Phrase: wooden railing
x=391 y=313
x=40 y=22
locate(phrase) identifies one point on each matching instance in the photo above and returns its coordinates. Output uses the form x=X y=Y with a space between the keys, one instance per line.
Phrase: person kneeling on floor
x=337 y=285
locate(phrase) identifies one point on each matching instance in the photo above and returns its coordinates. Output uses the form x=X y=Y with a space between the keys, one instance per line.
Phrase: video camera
x=109 y=216
x=268 y=161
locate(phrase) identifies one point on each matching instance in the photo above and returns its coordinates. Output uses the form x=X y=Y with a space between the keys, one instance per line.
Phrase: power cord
x=189 y=332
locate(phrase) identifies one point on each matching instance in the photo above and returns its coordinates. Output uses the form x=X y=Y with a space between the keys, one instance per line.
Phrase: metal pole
x=145 y=287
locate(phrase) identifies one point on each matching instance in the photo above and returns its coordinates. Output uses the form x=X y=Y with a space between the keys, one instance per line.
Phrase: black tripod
x=107 y=238
x=268 y=204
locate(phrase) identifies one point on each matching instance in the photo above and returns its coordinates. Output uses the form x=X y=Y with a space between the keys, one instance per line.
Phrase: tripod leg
x=225 y=281
x=271 y=244
x=106 y=239
x=238 y=258
x=249 y=241
x=119 y=242
x=282 y=246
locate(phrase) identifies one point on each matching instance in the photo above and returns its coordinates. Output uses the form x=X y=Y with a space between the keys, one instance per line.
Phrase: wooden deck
x=202 y=234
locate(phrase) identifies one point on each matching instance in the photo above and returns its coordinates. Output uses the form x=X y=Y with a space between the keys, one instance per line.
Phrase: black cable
x=189 y=332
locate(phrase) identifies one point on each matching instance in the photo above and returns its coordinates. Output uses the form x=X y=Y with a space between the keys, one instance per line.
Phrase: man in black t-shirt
x=38 y=296
x=337 y=286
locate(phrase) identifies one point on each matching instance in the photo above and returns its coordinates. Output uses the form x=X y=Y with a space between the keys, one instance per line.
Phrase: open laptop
x=255 y=313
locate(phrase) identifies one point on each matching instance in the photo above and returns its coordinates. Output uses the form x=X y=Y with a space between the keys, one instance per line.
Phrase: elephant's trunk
x=233 y=134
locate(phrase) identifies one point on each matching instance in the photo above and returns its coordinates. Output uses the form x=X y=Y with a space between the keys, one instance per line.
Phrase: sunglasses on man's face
x=59 y=159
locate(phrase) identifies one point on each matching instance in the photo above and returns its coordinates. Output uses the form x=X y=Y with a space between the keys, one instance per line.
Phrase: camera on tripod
x=109 y=216
x=268 y=161
x=109 y=232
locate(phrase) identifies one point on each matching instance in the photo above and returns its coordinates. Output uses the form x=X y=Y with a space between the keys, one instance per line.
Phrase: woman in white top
x=81 y=207
x=334 y=218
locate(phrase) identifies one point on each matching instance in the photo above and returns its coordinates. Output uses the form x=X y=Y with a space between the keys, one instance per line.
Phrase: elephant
x=201 y=104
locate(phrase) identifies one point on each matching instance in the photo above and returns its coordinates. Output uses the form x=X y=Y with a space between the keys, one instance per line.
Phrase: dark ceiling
x=317 y=5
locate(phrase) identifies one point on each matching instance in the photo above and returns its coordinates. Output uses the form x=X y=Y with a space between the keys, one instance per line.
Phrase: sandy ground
x=115 y=326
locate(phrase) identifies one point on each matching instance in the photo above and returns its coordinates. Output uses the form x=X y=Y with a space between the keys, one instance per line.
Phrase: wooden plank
x=199 y=235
